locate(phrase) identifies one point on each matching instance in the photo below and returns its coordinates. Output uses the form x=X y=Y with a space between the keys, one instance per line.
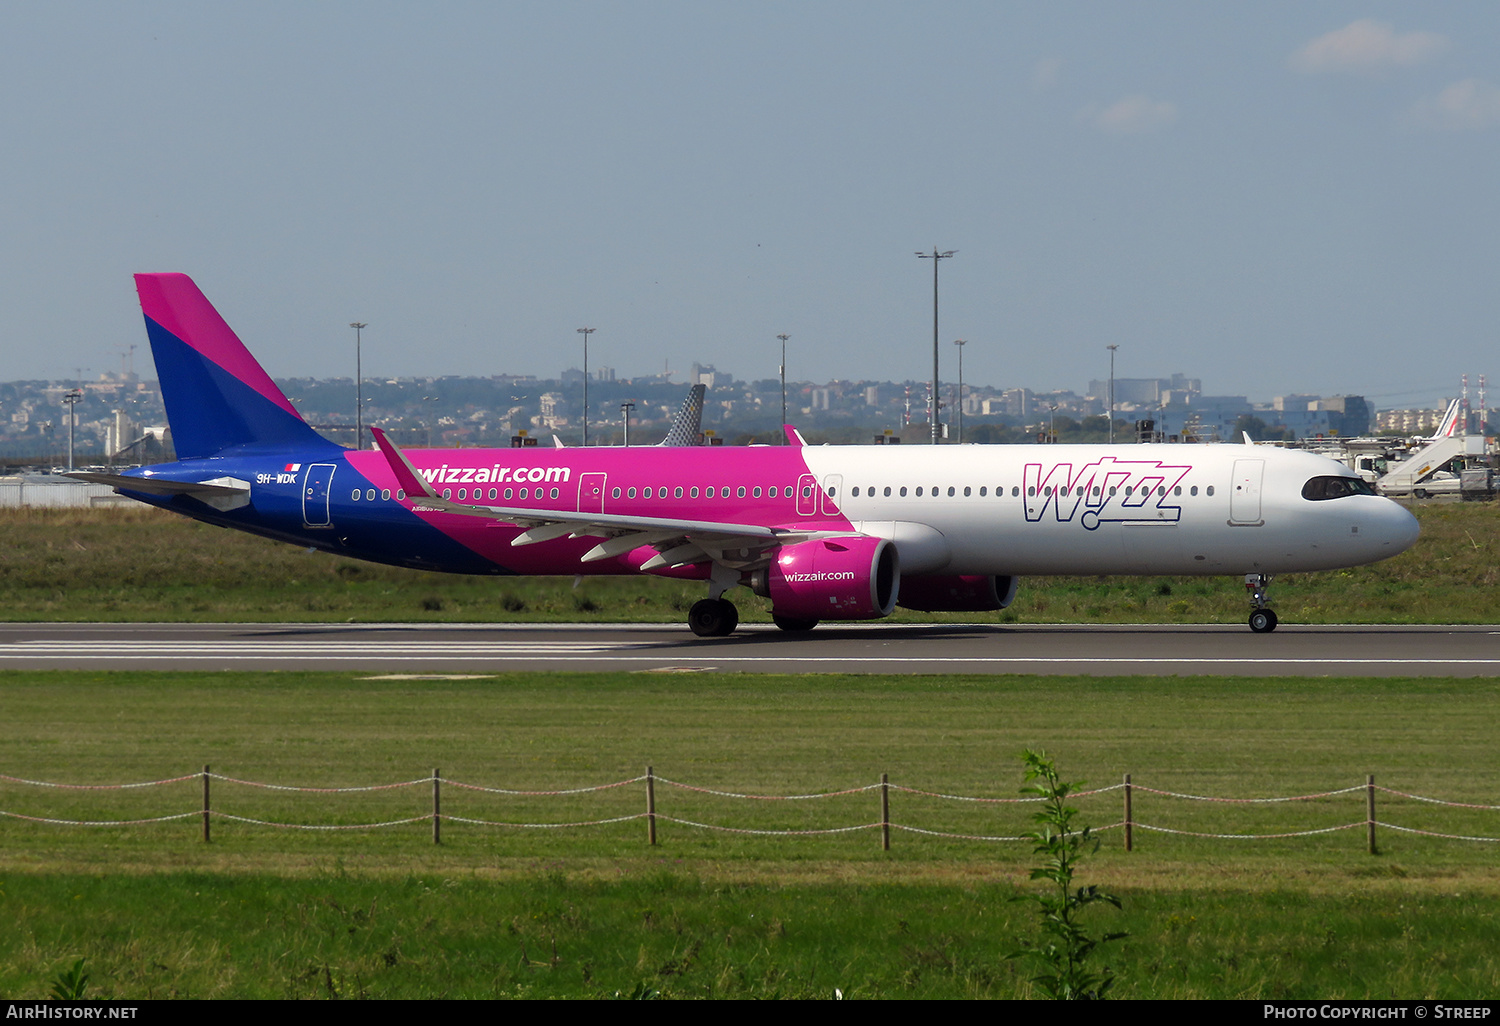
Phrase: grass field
x=143 y=565
x=264 y=912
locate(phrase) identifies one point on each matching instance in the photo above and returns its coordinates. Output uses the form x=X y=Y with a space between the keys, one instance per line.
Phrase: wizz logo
x=1109 y=490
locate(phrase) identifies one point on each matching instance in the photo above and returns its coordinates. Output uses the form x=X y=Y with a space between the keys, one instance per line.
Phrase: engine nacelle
x=958 y=594
x=846 y=578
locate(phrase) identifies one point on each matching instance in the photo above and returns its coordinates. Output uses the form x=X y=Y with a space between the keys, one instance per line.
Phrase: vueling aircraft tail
x=217 y=396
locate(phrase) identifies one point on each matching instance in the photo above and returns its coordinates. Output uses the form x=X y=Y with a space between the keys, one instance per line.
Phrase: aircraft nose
x=1397 y=527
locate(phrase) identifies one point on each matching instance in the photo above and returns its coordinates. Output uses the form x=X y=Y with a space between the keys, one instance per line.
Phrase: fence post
x=437 y=806
x=885 y=812
x=650 y=806
x=1370 y=812
x=1129 y=822
x=205 y=803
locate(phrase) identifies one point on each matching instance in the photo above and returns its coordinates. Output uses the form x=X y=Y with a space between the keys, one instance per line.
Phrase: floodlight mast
x=1112 y=392
x=586 y=332
x=960 y=342
x=782 y=433
x=936 y=257
x=359 y=388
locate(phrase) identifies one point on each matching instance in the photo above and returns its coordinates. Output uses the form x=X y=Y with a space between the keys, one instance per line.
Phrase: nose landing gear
x=1263 y=618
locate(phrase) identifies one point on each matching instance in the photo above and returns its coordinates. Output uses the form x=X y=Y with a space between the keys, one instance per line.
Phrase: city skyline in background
x=1284 y=196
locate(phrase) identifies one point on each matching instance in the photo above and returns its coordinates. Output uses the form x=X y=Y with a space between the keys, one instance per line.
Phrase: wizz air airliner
x=825 y=532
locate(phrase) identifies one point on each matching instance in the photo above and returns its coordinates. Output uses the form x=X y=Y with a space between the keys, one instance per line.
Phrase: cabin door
x=807 y=496
x=1244 y=495
x=591 y=493
x=316 y=480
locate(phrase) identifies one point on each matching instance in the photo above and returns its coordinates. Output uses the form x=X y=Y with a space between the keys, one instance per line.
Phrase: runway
x=1420 y=651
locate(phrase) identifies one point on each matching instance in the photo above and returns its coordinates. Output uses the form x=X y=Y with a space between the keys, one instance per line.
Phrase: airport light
x=782 y=432
x=359 y=393
x=71 y=398
x=625 y=409
x=586 y=332
x=936 y=258
x=1111 y=393
x=960 y=342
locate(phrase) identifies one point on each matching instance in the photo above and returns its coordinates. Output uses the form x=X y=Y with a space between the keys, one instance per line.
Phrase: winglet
x=406 y=475
x=793 y=436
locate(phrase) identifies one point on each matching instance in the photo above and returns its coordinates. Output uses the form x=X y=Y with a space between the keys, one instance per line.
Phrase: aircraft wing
x=678 y=542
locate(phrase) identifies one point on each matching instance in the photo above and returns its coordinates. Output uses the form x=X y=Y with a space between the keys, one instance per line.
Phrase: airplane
x=827 y=533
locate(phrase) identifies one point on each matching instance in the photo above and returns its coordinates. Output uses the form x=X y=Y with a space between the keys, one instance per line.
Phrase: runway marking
x=594 y=653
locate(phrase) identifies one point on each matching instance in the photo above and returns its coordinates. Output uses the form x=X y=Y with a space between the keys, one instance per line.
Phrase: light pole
x=71 y=398
x=782 y=432
x=936 y=258
x=960 y=342
x=586 y=332
x=359 y=390
x=625 y=409
x=1112 y=393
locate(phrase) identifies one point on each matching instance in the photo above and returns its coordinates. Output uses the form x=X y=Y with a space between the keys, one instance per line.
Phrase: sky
x=1274 y=197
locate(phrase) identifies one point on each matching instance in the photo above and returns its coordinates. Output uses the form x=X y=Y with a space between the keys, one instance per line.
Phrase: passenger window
x=615 y=494
x=1209 y=490
x=509 y=494
x=677 y=492
x=903 y=491
x=887 y=489
x=630 y=493
x=693 y=492
x=756 y=491
x=554 y=492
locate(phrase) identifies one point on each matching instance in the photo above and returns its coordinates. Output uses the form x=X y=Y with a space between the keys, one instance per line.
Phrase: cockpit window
x=1335 y=487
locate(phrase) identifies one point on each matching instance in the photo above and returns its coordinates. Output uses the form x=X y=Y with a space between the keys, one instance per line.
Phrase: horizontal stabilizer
x=223 y=493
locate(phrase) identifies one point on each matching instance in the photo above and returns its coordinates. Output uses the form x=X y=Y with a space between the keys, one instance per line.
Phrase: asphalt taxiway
x=1292 y=650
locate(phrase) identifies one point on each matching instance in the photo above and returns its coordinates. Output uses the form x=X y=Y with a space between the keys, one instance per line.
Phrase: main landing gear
x=1262 y=617
x=713 y=618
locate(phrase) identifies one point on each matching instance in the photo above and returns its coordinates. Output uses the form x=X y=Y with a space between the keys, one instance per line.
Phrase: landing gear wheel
x=713 y=618
x=793 y=625
x=1263 y=621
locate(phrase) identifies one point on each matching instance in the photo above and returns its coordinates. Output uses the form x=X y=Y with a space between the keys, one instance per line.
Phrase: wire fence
x=221 y=797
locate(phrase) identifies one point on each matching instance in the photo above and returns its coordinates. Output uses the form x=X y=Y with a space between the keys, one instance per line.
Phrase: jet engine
x=846 y=578
x=958 y=594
